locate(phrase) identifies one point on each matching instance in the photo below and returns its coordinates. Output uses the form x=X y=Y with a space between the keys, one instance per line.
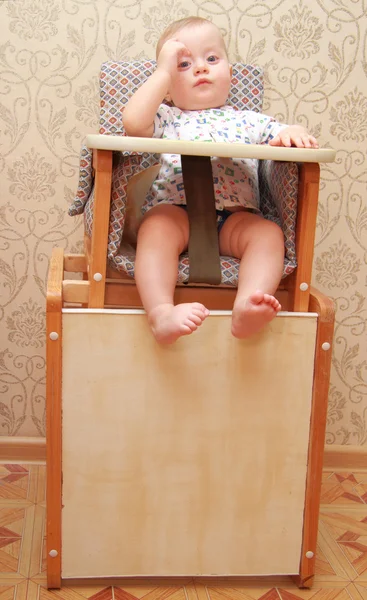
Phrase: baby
x=194 y=75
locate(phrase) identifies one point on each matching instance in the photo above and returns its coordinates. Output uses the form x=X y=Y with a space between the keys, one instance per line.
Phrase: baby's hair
x=176 y=26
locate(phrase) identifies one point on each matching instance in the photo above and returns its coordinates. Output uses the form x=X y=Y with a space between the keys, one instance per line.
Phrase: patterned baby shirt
x=235 y=180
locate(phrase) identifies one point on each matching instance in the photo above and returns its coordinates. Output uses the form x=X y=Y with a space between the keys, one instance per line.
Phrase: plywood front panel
x=184 y=460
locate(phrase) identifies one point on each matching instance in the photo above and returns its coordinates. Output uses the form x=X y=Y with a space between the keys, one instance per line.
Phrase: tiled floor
x=341 y=560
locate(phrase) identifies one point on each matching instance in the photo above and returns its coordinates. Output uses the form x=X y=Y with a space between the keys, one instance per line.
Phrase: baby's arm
x=294 y=135
x=141 y=109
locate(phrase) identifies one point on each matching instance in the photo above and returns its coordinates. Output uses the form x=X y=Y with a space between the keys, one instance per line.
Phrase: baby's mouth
x=201 y=82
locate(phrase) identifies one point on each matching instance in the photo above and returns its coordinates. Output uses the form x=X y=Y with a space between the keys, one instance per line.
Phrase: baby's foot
x=253 y=314
x=169 y=322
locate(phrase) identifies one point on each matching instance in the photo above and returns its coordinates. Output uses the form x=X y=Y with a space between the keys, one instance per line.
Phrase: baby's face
x=203 y=77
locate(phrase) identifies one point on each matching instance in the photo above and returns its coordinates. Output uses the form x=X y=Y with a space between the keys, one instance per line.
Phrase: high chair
x=200 y=458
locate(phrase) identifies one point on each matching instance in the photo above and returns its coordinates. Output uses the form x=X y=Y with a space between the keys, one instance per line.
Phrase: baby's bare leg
x=163 y=235
x=259 y=244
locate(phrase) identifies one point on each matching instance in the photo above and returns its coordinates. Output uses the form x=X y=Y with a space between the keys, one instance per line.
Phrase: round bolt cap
x=326 y=346
x=97 y=277
x=54 y=336
x=309 y=554
x=53 y=553
x=303 y=287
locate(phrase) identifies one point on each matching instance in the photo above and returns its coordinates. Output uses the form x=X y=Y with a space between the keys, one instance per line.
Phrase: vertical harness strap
x=203 y=240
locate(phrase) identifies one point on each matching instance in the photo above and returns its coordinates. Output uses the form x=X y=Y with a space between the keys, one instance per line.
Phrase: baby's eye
x=184 y=64
x=212 y=58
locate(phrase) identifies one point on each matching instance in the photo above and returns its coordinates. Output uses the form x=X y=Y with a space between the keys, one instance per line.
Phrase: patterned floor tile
x=323 y=567
x=32 y=591
x=316 y=593
x=361 y=489
x=14 y=482
x=153 y=591
x=344 y=489
x=41 y=485
x=343 y=541
x=132 y=592
x=16 y=532
x=14 y=591
x=122 y=594
x=161 y=592
x=251 y=588
x=242 y=592
x=19 y=482
x=362 y=589
x=71 y=593
x=37 y=559
x=190 y=592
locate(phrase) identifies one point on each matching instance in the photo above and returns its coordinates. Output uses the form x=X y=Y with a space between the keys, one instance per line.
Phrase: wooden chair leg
x=53 y=410
x=323 y=306
x=299 y=282
x=102 y=162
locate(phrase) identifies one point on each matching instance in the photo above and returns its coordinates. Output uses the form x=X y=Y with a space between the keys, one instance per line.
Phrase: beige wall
x=50 y=52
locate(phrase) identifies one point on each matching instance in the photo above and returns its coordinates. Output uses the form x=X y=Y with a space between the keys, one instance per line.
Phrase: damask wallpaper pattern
x=315 y=60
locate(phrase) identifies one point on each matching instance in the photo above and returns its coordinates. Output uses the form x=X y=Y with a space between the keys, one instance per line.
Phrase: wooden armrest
x=156 y=145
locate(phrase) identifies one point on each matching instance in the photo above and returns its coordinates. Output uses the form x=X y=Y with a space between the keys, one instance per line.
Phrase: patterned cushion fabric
x=278 y=181
x=119 y=81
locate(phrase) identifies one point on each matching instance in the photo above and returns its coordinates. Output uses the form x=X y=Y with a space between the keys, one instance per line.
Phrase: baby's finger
x=298 y=142
x=306 y=141
x=285 y=140
x=182 y=48
x=314 y=142
x=275 y=141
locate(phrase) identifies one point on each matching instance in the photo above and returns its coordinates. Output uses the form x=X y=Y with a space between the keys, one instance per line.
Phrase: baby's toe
x=195 y=317
x=198 y=314
x=268 y=299
x=185 y=328
x=191 y=324
x=273 y=302
x=200 y=308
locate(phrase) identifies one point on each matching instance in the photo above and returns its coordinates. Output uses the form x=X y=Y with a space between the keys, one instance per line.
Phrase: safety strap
x=203 y=240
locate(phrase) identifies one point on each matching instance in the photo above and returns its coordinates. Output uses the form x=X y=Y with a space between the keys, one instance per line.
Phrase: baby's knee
x=273 y=230
x=165 y=222
x=165 y=214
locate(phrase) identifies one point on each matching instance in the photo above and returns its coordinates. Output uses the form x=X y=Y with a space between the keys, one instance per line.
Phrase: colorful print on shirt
x=235 y=180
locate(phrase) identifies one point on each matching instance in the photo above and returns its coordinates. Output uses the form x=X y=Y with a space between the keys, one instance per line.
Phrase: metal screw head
x=309 y=554
x=303 y=287
x=54 y=336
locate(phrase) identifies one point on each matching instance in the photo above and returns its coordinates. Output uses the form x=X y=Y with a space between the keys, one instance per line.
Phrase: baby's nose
x=201 y=67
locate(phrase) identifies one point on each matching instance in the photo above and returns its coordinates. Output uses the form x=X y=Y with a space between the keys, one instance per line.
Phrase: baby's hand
x=295 y=135
x=170 y=54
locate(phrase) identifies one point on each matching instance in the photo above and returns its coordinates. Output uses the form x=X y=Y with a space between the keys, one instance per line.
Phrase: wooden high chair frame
x=102 y=288
x=115 y=289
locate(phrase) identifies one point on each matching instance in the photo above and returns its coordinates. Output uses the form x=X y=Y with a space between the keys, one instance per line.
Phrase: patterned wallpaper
x=315 y=59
